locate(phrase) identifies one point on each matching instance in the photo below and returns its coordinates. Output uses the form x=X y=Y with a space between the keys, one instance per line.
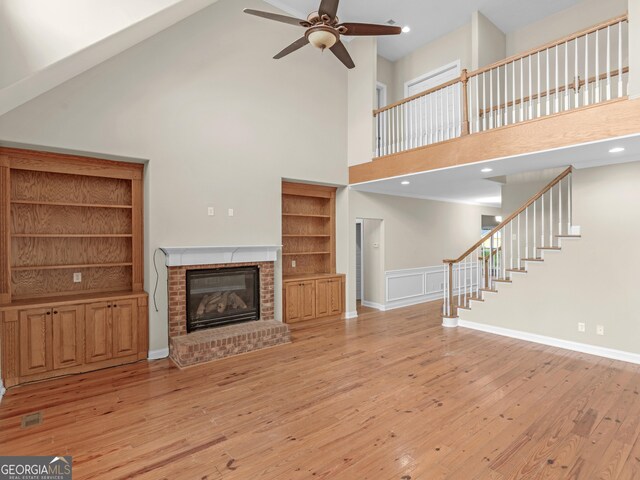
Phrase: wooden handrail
x=572 y=86
x=505 y=222
x=418 y=95
x=466 y=75
x=555 y=43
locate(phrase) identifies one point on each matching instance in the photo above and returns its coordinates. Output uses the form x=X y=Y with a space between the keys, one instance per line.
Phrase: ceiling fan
x=324 y=30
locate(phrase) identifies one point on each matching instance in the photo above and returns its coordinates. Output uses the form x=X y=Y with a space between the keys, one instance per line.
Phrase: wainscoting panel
x=419 y=285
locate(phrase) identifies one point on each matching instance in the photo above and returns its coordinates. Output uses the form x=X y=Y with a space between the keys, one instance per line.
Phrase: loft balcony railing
x=586 y=68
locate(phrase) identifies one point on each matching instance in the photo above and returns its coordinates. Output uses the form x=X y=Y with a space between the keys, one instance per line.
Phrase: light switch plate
x=231 y=212
x=211 y=211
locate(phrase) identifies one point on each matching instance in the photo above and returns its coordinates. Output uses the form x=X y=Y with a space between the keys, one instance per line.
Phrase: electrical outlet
x=293 y=264
x=231 y=212
x=582 y=327
x=211 y=211
x=77 y=277
x=600 y=329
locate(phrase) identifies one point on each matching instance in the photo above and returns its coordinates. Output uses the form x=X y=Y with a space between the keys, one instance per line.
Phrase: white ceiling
x=430 y=19
x=467 y=184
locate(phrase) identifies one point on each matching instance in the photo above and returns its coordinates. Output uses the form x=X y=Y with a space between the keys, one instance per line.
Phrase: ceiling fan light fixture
x=322 y=37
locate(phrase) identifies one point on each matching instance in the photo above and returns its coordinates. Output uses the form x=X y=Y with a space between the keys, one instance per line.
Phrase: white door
x=437 y=116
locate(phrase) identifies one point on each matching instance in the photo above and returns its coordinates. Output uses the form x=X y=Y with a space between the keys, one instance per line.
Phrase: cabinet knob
x=109 y=306
x=115 y=305
x=55 y=312
x=49 y=312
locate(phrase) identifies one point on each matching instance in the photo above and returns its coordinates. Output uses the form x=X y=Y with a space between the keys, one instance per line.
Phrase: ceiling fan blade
x=340 y=51
x=301 y=42
x=329 y=7
x=276 y=17
x=368 y=29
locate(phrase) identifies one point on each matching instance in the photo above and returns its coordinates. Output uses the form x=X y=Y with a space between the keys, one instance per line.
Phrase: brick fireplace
x=220 y=341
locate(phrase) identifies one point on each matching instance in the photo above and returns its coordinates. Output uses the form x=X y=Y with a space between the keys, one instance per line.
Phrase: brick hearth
x=205 y=345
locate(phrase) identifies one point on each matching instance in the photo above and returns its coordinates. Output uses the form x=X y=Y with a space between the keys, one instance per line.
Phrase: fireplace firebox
x=222 y=296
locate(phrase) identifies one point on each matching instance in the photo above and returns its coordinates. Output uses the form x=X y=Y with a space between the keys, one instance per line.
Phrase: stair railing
x=520 y=237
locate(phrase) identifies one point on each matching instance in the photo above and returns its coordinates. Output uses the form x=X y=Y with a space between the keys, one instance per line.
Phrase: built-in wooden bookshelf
x=311 y=287
x=308 y=229
x=71 y=264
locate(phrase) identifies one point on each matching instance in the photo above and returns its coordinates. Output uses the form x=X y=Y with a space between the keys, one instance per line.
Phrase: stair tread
x=502 y=280
x=532 y=260
x=476 y=299
x=549 y=248
x=488 y=290
x=568 y=236
x=516 y=270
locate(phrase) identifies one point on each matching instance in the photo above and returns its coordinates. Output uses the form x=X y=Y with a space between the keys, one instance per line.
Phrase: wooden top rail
x=422 y=94
x=505 y=222
x=555 y=43
x=465 y=75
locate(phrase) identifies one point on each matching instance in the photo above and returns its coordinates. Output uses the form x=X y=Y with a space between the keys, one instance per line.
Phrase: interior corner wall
x=489 y=43
x=456 y=45
x=386 y=75
x=220 y=122
x=584 y=14
x=584 y=282
x=373 y=248
x=361 y=99
x=634 y=48
x=519 y=188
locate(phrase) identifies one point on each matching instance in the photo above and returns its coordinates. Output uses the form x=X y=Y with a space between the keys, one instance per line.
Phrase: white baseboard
x=2 y=390
x=450 y=322
x=158 y=354
x=554 y=342
x=350 y=315
x=377 y=306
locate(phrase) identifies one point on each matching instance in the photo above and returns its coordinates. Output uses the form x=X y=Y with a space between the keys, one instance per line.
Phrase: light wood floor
x=387 y=396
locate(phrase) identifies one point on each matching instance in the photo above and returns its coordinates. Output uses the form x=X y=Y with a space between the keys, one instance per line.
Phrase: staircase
x=518 y=244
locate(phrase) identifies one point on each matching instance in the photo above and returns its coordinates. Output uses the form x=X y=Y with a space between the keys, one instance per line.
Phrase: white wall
x=634 y=48
x=584 y=14
x=362 y=99
x=373 y=253
x=220 y=123
x=592 y=280
x=489 y=43
x=37 y=33
x=385 y=74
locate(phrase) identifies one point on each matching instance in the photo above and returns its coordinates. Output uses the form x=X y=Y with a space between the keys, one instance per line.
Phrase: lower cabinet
x=48 y=341
x=306 y=299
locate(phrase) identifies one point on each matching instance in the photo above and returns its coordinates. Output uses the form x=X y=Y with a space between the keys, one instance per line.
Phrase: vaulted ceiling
x=430 y=19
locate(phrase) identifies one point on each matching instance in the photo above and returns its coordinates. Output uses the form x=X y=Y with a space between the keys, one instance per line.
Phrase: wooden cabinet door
x=308 y=304
x=35 y=341
x=98 y=332
x=292 y=302
x=68 y=336
x=323 y=300
x=125 y=327
x=335 y=297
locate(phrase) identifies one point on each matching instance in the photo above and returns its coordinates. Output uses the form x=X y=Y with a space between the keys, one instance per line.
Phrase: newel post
x=464 y=78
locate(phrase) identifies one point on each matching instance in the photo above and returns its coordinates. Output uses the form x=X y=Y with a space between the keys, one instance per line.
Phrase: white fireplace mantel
x=184 y=256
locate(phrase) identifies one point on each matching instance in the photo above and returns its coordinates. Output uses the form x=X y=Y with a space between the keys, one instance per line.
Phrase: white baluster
x=518 y=244
x=522 y=89
x=526 y=233
x=586 y=69
x=577 y=77
x=551 y=243
x=514 y=110
x=498 y=106
x=448 y=106
x=511 y=244
x=608 y=92
x=539 y=87
x=542 y=238
x=560 y=208
x=530 y=90
x=619 y=59
x=556 y=99
x=570 y=208
x=445 y=293
x=506 y=95
x=459 y=284
x=566 y=75
x=548 y=99
x=597 y=76
x=484 y=102
x=491 y=122
x=535 y=233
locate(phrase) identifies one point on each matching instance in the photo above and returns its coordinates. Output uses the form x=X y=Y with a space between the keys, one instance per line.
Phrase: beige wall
x=519 y=188
x=220 y=122
x=417 y=233
x=446 y=49
x=583 y=15
x=593 y=280
x=489 y=43
x=361 y=100
x=385 y=75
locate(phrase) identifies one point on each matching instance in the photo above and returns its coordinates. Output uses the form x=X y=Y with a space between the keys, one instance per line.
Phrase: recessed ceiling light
x=406 y=29
x=616 y=150
x=486 y=170
x=405 y=182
